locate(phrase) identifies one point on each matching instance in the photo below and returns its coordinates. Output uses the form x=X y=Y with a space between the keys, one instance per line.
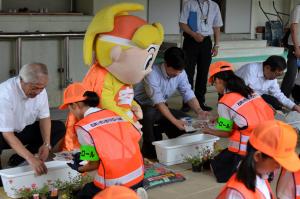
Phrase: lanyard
x=204 y=17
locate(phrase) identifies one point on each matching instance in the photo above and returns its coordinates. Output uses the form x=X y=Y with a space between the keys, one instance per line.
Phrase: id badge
x=204 y=27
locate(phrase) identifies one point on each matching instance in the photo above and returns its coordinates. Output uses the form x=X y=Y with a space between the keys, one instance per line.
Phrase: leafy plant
x=202 y=155
x=65 y=187
x=194 y=159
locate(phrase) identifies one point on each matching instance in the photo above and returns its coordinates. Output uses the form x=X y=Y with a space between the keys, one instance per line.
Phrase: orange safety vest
x=296 y=178
x=94 y=81
x=255 y=111
x=233 y=183
x=116 y=142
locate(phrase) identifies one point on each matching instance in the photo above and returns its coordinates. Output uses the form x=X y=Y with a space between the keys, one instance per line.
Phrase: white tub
x=20 y=177
x=174 y=151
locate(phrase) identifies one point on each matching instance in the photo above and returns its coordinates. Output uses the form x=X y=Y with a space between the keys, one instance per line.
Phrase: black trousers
x=272 y=101
x=291 y=73
x=296 y=93
x=200 y=54
x=225 y=164
x=90 y=190
x=154 y=124
x=31 y=136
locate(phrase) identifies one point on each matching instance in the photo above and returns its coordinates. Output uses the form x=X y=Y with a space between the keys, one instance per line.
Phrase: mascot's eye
x=148 y=61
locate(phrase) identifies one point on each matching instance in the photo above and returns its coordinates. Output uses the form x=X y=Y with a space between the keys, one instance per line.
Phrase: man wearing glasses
x=261 y=77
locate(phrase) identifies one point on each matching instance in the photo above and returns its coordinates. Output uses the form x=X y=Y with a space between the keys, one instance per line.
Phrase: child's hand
x=90 y=166
x=206 y=130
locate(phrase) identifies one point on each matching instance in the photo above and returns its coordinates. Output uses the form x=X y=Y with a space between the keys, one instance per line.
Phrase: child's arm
x=90 y=166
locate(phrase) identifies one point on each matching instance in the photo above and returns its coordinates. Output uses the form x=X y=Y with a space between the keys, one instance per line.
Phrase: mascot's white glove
x=137 y=111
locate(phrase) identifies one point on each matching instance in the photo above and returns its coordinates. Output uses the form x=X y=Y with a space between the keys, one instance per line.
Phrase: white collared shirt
x=17 y=110
x=253 y=76
x=157 y=87
x=213 y=14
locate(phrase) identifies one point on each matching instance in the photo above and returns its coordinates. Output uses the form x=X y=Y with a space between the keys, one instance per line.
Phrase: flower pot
x=52 y=197
x=197 y=168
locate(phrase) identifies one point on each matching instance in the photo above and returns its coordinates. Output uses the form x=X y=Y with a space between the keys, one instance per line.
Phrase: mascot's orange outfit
x=125 y=47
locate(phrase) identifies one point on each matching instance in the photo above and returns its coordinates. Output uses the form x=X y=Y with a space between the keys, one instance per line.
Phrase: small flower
x=33 y=186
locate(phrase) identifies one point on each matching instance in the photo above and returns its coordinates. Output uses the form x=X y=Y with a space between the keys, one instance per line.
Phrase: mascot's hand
x=137 y=111
x=138 y=126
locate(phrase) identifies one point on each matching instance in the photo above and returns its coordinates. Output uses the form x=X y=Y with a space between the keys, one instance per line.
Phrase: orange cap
x=73 y=93
x=116 y=192
x=218 y=67
x=277 y=140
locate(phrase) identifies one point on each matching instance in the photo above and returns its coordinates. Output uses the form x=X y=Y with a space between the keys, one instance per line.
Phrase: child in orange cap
x=107 y=142
x=271 y=145
x=240 y=110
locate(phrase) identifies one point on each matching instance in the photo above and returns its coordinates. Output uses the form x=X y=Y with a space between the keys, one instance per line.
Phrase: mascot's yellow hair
x=104 y=22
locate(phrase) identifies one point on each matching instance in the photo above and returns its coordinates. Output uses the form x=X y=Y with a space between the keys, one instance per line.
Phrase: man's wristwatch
x=47 y=145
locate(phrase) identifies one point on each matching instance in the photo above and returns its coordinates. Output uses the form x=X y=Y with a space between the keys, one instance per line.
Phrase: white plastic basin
x=174 y=151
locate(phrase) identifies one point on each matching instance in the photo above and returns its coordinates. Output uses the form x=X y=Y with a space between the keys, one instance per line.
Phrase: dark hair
x=92 y=99
x=174 y=57
x=276 y=63
x=247 y=170
x=233 y=83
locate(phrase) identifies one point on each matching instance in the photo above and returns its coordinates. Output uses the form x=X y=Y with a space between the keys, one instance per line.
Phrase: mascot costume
x=122 y=49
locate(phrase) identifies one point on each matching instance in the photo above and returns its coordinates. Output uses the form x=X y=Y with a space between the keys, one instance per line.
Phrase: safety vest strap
x=123 y=180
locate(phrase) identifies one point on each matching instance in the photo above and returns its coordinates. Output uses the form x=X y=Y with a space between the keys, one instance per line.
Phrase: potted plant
x=209 y=154
x=196 y=162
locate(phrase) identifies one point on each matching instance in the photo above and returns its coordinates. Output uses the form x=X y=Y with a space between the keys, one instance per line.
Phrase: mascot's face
x=131 y=65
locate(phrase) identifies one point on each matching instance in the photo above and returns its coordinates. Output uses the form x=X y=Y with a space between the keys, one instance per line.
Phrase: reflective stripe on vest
x=296 y=176
x=105 y=121
x=122 y=180
x=243 y=102
x=236 y=146
x=244 y=138
x=297 y=191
